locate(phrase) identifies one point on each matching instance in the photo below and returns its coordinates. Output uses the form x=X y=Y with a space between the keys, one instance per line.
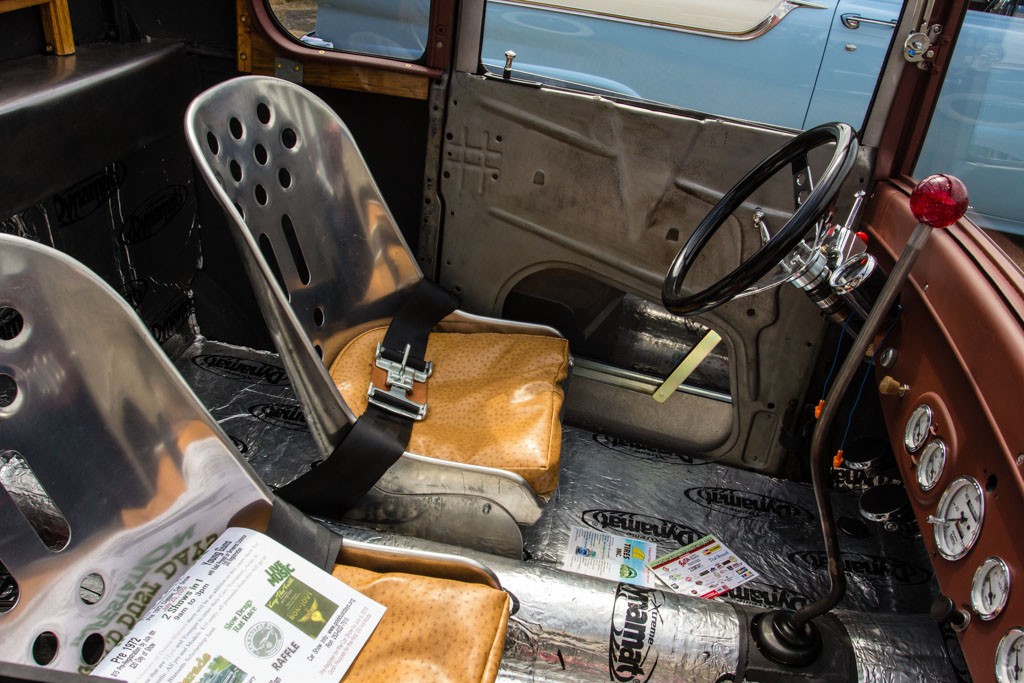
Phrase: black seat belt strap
x=426 y=305
x=300 y=534
x=380 y=436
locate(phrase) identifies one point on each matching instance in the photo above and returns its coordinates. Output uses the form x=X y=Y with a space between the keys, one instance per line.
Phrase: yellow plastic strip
x=686 y=367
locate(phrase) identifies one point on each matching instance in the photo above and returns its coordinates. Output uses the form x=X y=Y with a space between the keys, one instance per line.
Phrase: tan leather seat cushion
x=433 y=630
x=493 y=399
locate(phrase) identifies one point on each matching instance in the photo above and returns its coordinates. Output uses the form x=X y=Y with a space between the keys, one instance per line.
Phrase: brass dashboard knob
x=890 y=386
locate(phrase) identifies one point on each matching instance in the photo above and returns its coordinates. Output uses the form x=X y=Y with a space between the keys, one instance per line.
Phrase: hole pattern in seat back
x=111 y=472
x=292 y=170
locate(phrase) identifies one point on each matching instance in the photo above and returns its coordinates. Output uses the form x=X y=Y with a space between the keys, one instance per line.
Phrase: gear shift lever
x=791 y=638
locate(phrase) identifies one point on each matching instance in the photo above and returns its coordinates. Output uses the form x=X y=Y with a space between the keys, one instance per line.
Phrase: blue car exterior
x=819 y=63
x=698 y=72
x=977 y=131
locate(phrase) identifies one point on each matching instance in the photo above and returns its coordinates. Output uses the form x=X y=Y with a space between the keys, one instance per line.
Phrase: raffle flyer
x=607 y=556
x=248 y=611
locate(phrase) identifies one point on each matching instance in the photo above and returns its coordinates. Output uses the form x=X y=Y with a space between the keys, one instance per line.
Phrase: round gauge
x=930 y=464
x=958 y=517
x=918 y=426
x=990 y=588
x=1010 y=657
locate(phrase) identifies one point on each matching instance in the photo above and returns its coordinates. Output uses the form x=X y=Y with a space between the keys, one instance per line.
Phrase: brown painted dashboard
x=960 y=349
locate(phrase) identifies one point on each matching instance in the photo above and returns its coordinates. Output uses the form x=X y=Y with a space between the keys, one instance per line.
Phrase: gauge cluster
x=991 y=588
x=958 y=518
x=958 y=495
x=918 y=427
x=1010 y=657
x=931 y=464
x=954 y=367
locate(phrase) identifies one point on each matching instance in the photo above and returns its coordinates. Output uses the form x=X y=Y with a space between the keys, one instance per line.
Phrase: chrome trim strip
x=636 y=381
x=756 y=31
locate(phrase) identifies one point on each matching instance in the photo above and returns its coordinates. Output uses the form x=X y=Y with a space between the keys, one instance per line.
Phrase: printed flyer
x=248 y=611
x=706 y=568
x=607 y=556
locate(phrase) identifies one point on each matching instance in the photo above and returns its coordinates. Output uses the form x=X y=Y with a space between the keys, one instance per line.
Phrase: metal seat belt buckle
x=397 y=387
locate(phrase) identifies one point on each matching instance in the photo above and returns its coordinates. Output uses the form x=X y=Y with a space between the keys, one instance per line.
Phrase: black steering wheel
x=809 y=211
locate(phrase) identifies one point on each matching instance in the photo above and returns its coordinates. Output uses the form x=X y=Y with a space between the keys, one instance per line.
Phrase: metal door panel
x=535 y=179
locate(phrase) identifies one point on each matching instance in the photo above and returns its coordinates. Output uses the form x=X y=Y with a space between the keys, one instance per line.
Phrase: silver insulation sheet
x=32 y=500
x=903 y=648
x=569 y=627
x=622 y=488
x=248 y=393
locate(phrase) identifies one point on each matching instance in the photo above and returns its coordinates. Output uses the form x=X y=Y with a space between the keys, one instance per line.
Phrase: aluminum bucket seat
x=331 y=272
x=114 y=478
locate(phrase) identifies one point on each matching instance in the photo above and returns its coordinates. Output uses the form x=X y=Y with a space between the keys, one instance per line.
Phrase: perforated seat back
x=114 y=477
x=319 y=243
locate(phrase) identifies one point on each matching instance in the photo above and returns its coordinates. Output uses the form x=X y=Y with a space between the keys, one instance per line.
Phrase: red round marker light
x=939 y=200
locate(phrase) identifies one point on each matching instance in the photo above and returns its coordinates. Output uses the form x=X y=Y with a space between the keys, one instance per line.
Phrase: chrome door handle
x=853 y=21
